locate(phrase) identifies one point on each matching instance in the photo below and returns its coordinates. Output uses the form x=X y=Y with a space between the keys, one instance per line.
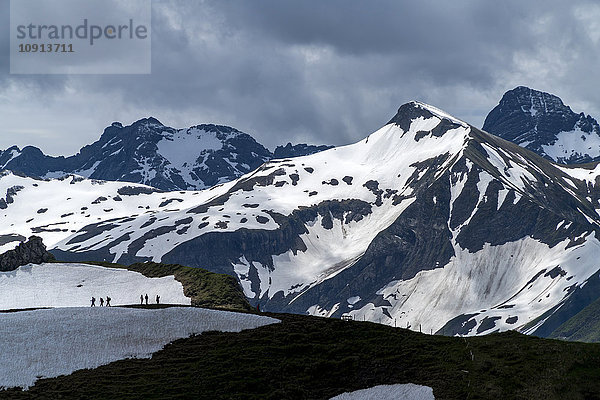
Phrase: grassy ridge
x=583 y=326
x=205 y=288
x=316 y=358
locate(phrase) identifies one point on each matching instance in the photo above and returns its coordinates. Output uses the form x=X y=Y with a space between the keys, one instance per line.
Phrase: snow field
x=573 y=143
x=406 y=391
x=73 y=285
x=50 y=343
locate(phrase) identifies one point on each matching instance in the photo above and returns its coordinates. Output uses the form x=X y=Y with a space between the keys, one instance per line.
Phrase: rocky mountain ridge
x=542 y=123
x=153 y=154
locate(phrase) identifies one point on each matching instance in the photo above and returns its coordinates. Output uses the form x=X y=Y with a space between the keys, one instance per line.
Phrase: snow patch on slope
x=588 y=175
x=402 y=391
x=574 y=143
x=49 y=343
x=486 y=280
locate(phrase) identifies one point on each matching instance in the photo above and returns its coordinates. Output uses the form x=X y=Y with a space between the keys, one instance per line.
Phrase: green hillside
x=583 y=326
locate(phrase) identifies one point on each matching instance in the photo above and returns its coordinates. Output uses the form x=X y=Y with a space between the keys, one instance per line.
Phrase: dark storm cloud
x=398 y=27
x=330 y=71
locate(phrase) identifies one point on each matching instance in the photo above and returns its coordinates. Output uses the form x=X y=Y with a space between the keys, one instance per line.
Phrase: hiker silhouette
x=146 y=298
x=141 y=299
x=157 y=299
x=101 y=302
x=93 y=302
x=108 y=301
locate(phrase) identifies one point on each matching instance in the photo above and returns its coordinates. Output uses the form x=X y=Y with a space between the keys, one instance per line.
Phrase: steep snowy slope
x=541 y=122
x=428 y=222
x=57 y=208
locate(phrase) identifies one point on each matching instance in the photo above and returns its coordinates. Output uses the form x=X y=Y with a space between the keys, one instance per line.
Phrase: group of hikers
x=142 y=298
x=108 y=299
x=101 y=302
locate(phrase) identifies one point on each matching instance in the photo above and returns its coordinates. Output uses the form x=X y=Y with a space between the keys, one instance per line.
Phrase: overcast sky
x=323 y=71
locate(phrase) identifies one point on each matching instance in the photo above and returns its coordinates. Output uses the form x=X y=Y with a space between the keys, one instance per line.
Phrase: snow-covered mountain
x=542 y=123
x=153 y=154
x=428 y=222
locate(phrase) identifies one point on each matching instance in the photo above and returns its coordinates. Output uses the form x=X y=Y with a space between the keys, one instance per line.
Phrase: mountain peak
x=536 y=101
x=439 y=113
x=415 y=109
x=15 y=148
x=541 y=122
x=149 y=121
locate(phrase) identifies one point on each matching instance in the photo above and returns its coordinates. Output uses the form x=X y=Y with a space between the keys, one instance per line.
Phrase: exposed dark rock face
x=487 y=324
x=134 y=191
x=9 y=198
x=31 y=251
x=31 y=161
x=407 y=113
x=298 y=150
x=460 y=325
x=4 y=239
x=534 y=120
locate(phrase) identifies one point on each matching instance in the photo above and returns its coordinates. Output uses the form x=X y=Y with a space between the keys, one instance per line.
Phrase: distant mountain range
x=153 y=154
x=542 y=123
x=428 y=223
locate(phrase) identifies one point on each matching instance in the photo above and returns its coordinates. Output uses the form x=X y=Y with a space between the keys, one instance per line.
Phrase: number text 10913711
x=46 y=48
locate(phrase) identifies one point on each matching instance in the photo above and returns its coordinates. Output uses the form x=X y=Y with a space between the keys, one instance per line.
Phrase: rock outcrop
x=31 y=251
x=298 y=150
